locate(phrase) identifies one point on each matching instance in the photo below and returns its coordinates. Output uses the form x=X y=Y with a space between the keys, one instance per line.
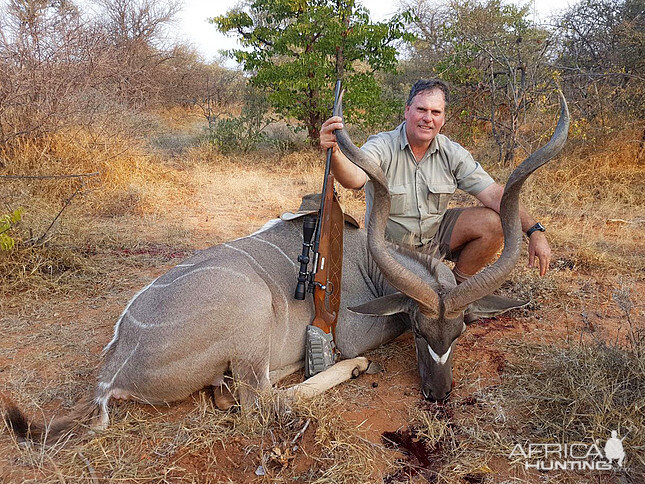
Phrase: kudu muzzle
x=435 y=370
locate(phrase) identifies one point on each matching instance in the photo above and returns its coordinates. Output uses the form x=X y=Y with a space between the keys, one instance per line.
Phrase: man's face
x=425 y=117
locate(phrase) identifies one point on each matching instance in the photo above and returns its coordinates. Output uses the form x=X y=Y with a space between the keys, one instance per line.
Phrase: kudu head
x=427 y=289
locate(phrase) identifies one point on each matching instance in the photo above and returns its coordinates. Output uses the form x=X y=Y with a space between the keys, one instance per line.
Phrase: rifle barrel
x=324 y=187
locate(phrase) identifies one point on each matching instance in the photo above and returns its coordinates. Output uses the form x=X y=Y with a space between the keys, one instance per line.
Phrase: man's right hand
x=347 y=173
x=327 y=136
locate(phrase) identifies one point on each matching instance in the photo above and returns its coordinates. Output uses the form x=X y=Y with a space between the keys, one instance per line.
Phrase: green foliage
x=7 y=222
x=245 y=132
x=235 y=135
x=485 y=36
x=296 y=49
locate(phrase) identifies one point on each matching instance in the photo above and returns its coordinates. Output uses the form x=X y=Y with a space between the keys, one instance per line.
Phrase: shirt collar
x=434 y=146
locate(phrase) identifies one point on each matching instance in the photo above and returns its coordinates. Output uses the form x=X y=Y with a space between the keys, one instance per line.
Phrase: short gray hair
x=423 y=85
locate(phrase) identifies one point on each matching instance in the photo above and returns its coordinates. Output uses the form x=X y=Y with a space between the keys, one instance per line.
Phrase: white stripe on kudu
x=277 y=248
x=207 y=268
x=441 y=360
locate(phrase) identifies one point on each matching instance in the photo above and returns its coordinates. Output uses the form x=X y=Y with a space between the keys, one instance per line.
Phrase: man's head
x=425 y=111
x=423 y=85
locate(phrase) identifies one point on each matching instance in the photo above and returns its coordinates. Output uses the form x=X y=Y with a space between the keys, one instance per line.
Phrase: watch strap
x=537 y=227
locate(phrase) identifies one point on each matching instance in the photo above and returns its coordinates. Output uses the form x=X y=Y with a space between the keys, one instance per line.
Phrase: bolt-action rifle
x=325 y=278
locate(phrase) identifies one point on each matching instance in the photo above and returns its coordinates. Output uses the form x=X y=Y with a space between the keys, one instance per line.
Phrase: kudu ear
x=385 y=305
x=492 y=305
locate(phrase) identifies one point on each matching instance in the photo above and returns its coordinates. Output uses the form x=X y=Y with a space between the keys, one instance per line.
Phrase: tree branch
x=65 y=205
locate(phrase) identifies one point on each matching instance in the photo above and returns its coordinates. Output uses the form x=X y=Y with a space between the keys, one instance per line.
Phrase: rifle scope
x=312 y=226
x=308 y=228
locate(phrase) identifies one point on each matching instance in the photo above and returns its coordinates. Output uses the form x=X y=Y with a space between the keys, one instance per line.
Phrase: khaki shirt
x=421 y=191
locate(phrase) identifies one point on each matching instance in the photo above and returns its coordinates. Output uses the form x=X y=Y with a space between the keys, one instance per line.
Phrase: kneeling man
x=423 y=169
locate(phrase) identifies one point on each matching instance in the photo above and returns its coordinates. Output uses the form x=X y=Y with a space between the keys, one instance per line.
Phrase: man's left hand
x=539 y=252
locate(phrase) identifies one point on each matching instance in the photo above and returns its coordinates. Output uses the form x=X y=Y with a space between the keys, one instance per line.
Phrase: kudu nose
x=433 y=397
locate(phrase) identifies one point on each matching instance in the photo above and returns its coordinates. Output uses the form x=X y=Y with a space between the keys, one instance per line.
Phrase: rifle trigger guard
x=328 y=290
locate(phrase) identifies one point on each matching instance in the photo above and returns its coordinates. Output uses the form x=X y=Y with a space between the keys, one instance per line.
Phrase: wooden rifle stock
x=328 y=249
x=327 y=279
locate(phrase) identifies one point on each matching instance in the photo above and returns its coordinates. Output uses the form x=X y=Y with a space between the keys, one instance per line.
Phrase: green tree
x=295 y=49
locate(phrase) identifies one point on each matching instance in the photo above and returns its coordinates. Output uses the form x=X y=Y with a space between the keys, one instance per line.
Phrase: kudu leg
x=253 y=378
x=323 y=381
x=249 y=388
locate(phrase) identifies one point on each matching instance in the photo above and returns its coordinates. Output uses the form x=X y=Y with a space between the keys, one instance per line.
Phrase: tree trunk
x=313 y=131
x=313 y=121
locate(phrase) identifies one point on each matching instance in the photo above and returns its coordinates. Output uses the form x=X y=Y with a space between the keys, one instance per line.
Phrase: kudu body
x=230 y=307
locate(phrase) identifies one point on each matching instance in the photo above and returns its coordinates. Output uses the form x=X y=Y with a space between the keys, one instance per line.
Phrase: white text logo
x=571 y=457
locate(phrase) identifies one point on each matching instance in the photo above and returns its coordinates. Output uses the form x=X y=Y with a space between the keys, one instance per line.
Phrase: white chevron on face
x=440 y=360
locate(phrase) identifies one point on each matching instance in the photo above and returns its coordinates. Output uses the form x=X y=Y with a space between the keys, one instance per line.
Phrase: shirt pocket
x=399 y=199
x=439 y=194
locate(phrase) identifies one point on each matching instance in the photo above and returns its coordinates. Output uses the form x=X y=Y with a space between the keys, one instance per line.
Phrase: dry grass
x=307 y=442
x=577 y=393
x=592 y=199
x=42 y=268
x=580 y=391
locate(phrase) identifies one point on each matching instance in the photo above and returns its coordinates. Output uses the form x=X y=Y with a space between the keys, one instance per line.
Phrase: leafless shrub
x=218 y=90
x=64 y=68
x=48 y=56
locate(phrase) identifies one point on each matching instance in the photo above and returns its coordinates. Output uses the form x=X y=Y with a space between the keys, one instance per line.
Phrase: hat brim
x=296 y=215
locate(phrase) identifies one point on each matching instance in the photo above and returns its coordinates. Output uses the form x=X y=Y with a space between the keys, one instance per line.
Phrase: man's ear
x=385 y=305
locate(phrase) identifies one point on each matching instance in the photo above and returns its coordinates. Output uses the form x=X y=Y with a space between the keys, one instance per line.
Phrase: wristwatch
x=536 y=227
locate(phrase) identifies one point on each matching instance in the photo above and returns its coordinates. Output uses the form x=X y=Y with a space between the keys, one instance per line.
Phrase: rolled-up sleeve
x=470 y=175
x=377 y=147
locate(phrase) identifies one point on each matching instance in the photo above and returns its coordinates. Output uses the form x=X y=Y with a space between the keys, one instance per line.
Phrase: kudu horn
x=493 y=276
x=400 y=277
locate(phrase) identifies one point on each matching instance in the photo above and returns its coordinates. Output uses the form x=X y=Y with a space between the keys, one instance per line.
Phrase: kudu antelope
x=230 y=308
